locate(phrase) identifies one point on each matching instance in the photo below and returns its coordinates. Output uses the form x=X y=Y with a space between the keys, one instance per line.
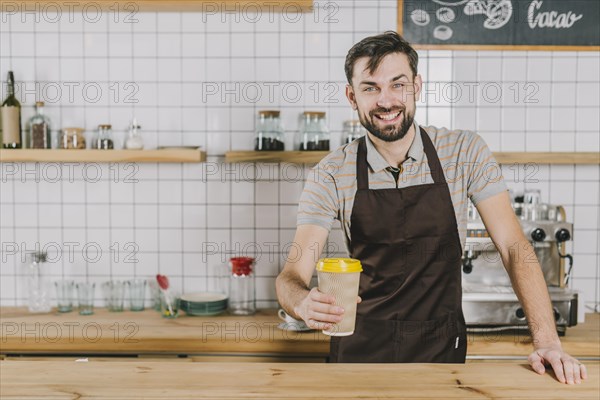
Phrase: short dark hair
x=376 y=48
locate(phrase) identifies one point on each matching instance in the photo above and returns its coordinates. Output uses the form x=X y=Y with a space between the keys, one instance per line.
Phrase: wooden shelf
x=313 y=157
x=177 y=155
x=295 y=157
x=208 y=6
x=171 y=155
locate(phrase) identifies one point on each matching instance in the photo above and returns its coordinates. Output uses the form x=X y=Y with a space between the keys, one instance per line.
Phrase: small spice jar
x=72 y=138
x=352 y=130
x=103 y=139
x=314 y=134
x=269 y=132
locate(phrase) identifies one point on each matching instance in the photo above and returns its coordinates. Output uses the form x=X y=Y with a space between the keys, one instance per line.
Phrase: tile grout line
x=181 y=168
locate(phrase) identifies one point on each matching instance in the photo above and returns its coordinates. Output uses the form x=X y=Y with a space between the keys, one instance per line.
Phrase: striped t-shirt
x=469 y=167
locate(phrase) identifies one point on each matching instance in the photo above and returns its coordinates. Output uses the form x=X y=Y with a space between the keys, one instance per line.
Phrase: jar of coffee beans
x=38 y=129
x=313 y=134
x=269 y=132
x=352 y=130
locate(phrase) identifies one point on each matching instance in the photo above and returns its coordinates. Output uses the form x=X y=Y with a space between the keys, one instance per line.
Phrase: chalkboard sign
x=501 y=24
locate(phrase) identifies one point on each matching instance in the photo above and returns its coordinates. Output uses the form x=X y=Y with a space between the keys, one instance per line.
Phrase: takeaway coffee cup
x=340 y=277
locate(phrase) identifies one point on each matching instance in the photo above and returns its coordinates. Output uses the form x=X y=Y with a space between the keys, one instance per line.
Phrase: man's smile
x=389 y=116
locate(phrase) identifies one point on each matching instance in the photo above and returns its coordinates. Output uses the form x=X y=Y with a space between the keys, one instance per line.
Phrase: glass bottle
x=37 y=283
x=103 y=140
x=533 y=209
x=352 y=130
x=38 y=129
x=532 y=196
x=269 y=132
x=11 y=116
x=242 y=300
x=314 y=134
x=134 y=139
x=72 y=138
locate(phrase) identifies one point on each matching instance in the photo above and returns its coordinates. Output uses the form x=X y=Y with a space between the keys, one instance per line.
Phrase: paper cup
x=340 y=277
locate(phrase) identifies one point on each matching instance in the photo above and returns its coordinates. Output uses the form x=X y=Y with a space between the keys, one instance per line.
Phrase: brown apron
x=407 y=241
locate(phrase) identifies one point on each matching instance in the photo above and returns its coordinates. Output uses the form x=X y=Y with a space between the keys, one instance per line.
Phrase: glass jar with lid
x=72 y=138
x=352 y=130
x=37 y=283
x=269 y=132
x=103 y=139
x=313 y=134
x=38 y=129
x=242 y=284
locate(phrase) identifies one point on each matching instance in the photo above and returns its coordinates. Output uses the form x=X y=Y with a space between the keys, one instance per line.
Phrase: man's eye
x=370 y=89
x=399 y=85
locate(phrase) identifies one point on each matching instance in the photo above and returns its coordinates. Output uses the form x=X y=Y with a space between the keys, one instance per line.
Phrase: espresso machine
x=489 y=301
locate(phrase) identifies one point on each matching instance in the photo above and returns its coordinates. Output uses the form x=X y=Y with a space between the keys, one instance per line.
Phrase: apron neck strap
x=437 y=172
x=362 y=169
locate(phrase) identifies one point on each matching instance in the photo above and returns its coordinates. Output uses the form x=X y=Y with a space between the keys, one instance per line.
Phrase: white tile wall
x=186 y=77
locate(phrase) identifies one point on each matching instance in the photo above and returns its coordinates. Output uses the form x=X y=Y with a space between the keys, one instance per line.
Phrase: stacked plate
x=204 y=303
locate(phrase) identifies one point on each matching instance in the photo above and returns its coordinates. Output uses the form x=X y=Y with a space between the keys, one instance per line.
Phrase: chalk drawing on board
x=450 y=2
x=474 y=7
x=498 y=12
x=445 y=15
x=442 y=32
x=420 y=17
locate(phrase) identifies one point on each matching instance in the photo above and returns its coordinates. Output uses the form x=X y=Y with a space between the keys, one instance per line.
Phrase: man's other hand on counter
x=567 y=369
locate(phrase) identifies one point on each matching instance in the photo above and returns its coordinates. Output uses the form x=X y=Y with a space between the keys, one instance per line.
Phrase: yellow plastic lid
x=339 y=265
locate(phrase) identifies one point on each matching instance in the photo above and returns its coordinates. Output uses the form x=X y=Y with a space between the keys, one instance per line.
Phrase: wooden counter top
x=160 y=380
x=148 y=333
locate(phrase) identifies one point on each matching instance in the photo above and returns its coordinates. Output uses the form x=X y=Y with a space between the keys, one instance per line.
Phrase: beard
x=391 y=132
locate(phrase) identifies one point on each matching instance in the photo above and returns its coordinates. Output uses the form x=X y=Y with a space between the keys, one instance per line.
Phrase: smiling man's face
x=385 y=99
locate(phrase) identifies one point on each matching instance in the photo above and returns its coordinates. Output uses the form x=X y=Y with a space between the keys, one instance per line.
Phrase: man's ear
x=351 y=96
x=418 y=87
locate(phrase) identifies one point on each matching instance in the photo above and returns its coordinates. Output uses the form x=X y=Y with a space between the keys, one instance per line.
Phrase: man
x=401 y=196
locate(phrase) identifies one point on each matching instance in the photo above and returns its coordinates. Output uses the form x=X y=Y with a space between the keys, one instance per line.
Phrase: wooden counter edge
x=156 y=335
